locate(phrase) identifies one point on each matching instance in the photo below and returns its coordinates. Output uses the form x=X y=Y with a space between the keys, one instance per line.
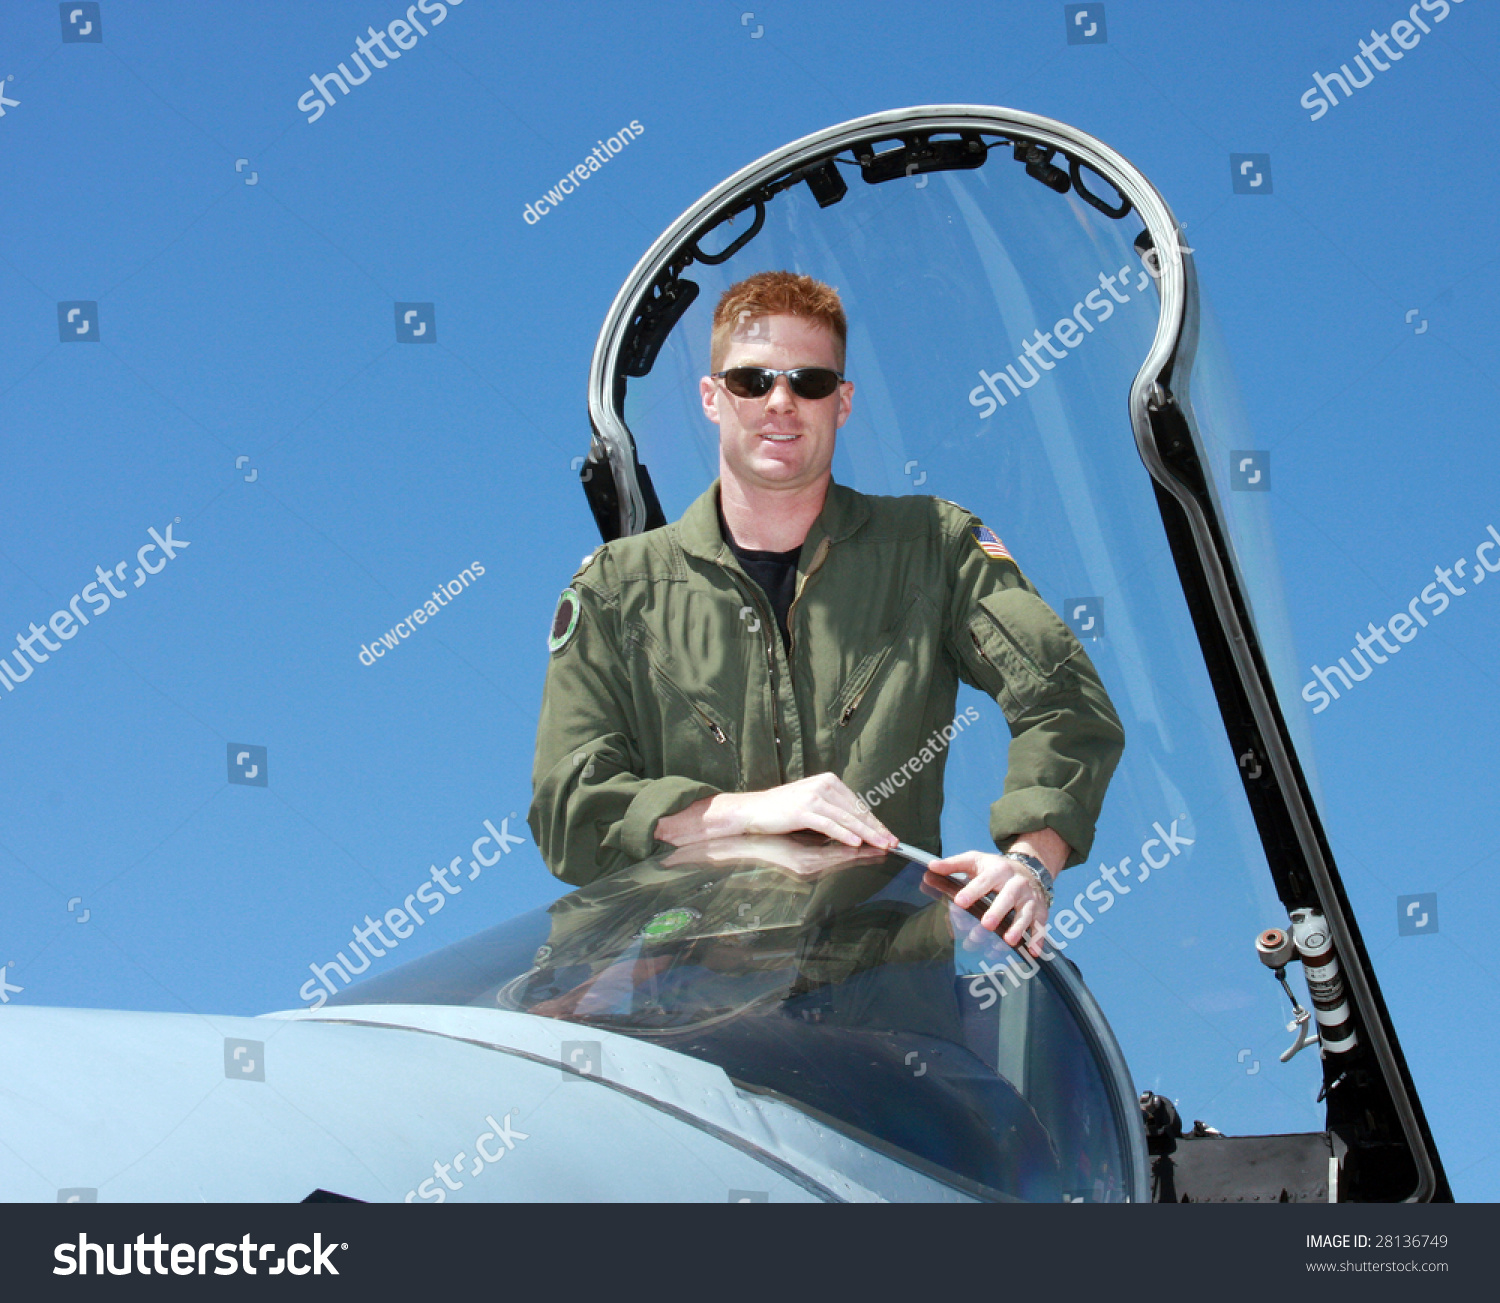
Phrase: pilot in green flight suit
x=789 y=643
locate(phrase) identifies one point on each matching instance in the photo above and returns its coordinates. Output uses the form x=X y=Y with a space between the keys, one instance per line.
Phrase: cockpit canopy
x=844 y=983
x=1027 y=339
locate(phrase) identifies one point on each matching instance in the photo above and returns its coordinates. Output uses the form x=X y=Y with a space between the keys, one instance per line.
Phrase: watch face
x=1035 y=869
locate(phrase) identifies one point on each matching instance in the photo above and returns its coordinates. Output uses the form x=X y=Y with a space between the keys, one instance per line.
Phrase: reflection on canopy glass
x=845 y=984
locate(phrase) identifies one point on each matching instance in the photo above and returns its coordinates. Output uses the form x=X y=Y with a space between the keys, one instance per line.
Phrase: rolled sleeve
x=635 y=834
x=1029 y=808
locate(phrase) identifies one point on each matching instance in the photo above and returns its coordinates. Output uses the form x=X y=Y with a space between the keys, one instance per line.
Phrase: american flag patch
x=989 y=543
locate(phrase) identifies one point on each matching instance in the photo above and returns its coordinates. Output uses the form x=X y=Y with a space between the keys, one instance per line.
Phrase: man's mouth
x=778 y=437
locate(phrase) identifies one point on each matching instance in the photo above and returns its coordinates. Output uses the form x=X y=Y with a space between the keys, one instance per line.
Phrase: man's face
x=778 y=441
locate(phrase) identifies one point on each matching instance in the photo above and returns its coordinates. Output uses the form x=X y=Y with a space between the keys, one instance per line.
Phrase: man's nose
x=781 y=396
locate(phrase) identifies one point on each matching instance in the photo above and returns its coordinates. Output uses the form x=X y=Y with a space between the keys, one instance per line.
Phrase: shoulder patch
x=564 y=621
x=988 y=542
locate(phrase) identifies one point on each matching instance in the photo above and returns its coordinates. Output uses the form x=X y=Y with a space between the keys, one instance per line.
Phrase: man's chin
x=773 y=461
x=778 y=462
x=780 y=476
x=779 y=466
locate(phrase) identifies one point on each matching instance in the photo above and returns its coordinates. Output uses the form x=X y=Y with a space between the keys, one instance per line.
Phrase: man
x=790 y=642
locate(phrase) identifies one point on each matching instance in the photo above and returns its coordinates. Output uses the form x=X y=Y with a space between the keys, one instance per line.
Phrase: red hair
x=777 y=293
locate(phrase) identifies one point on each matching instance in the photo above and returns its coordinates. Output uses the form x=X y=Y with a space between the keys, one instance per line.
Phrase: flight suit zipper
x=1021 y=653
x=873 y=675
x=709 y=723
x=772 y=632
x=979 y=649
x=718 y=733
x=768 y=623
x=817 y=563
x=791 y=612
x=848 y=711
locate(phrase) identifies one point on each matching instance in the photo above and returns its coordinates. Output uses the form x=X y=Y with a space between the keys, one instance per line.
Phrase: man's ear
x=709 y=392
x=846 y=403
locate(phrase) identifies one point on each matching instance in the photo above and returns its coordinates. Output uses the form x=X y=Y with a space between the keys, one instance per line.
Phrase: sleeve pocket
x=1023 y=649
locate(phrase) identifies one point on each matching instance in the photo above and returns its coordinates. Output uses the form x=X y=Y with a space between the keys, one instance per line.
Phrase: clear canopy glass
x=996 y=327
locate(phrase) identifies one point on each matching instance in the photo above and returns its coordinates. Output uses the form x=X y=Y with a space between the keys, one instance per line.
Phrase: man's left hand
x=1014 y=888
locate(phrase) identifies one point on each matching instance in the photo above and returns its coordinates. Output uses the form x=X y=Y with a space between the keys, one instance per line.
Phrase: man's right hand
x=820 y=804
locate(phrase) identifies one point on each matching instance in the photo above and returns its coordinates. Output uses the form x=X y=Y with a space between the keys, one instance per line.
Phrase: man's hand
x=1014 y=888
x=821 y=804
x=803 y=859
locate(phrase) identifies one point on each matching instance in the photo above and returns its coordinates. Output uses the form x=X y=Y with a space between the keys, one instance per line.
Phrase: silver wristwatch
x=1035 y=868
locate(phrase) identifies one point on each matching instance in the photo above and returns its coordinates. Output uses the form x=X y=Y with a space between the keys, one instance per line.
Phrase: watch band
x=1035 y=868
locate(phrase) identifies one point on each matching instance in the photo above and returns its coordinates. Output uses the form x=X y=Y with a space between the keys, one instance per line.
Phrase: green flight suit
x=668 y=682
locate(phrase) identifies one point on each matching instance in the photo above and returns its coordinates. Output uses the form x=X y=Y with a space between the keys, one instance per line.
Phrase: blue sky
x=255 y=321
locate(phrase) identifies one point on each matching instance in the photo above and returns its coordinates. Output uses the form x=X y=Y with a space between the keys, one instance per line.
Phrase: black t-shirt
x=775 y=572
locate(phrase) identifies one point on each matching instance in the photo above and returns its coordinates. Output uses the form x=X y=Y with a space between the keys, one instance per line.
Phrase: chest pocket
x=697 y=736
x=855 y=701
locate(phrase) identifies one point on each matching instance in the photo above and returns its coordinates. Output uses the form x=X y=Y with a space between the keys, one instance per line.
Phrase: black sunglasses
x=756 y=381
